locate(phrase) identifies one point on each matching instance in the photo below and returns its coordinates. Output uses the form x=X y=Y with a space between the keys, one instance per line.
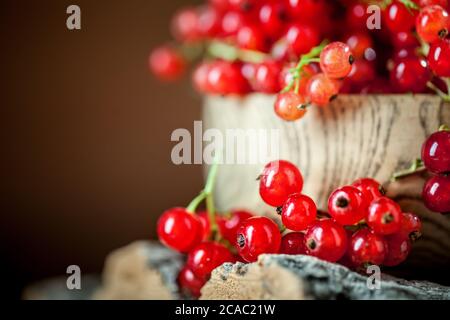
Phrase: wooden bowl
x=355 y=136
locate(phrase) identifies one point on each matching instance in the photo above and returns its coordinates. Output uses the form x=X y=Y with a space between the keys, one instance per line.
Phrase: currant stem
x=416 y=166
x=444 y=127
x=410 y=5
x=220 y=49
x=192 y=207
x=445 y=97
x=210 y=207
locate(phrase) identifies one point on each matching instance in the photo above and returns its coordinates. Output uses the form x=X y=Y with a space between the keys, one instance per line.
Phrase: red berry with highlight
x=370 y=188
x=321 y=90
x=256 y=236
x=190 y=283
x=299 y=212
x=179 y=229
x=439 y=58
x=326 y=240
x=410 y=74
x=398 y=18
x=436 y=152
x=385 y=216
x=398 y=249
x=278 y=181
x=229 y=225
x=432 y=23
x=436 y=194
x=185 y=25
x=266 y=77
x=347 y=205
x=366 y=247
x=166 y=63
x=411 y=226
x=301 y=38
x=207 y=256
x=293 y=243
x=336 y=60
x=290 y=106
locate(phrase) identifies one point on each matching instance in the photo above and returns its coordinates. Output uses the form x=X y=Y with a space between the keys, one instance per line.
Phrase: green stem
x=416 y=166
x=192 y=206
x=444 y=127
x=410 y=5
x=225 y=51
x=210 y=207
x=444 y=96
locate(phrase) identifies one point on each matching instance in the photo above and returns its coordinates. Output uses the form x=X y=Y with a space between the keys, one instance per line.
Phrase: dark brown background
x=86 y=134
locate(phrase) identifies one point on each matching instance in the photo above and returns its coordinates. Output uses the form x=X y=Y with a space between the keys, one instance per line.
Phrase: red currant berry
x=326 y=240
x=410 y=74
x=356 y=16
x=307 y=71
x=251 y=37
x=336 y=60
x=290 y=106
x=436 y=194
x=272 y=18
x=432 y=23
x=405 y=39
x=166 y=63
x=206 y=226
x=347 y=205
x=321 y=89
x=278 y=181
x=293 y=243
x=256 y=236
x=222 y=5
x=436 y=152
x=411 y=226
x=200 y=77
x=179 y=229
x=359 y=42
x=226 y=78
x=267 y=76
x=228 y=226
x=301 y=38
x=185 y=25
x=306 y=10
x=367 y=247
x=232 y=21
x=363 y=73
x=190 y=283
x=299 y=212
x=399 y=247
x=398 y=18
x=207 y=256
x=209 y=22
x=439 y=58
x=385 y=216
x=442 y=3
x=370 y=188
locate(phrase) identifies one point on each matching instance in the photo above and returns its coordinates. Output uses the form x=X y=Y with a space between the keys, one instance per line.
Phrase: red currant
x=226 y=78
x=278 y=181
x=411 y=226
x=185 y=25
x=232 y=21
x=385 y=216
x=306 y=10
x=290 y=106
x=410 y=74
x=256 y=236
x=190 y=283
x=436 y=194
x=251 y=37
x=442 y=3
x=347 y=205
x=200 y=77
x=209 y=22
x=307 y=71
x=370 y=188
x=228 y=226
x=432 y=23
x=363 y=73
x=356 y=16
x=293 y=243
x=166 y=63
x=301 y=38
x=399 y=247
x=321 y=89
x=336 y=60
x=179 y=229
x=207 y=256
x=299 y=212
x=439 y=58
x=272 y=18
x=267 y=76
x=405 y=39
x=326 y=240
x=436 y=152
x=367 y=247
x=359 y=42
x=398 y=18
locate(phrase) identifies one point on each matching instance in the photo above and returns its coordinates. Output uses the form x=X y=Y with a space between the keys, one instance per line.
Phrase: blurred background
x=86 y=134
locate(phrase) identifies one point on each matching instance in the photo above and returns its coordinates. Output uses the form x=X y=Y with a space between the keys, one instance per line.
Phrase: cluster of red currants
x=362 y=226
x=272 y=46
x=436 y=159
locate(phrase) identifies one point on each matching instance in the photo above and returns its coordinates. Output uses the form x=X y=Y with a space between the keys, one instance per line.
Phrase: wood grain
x=356 y=136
